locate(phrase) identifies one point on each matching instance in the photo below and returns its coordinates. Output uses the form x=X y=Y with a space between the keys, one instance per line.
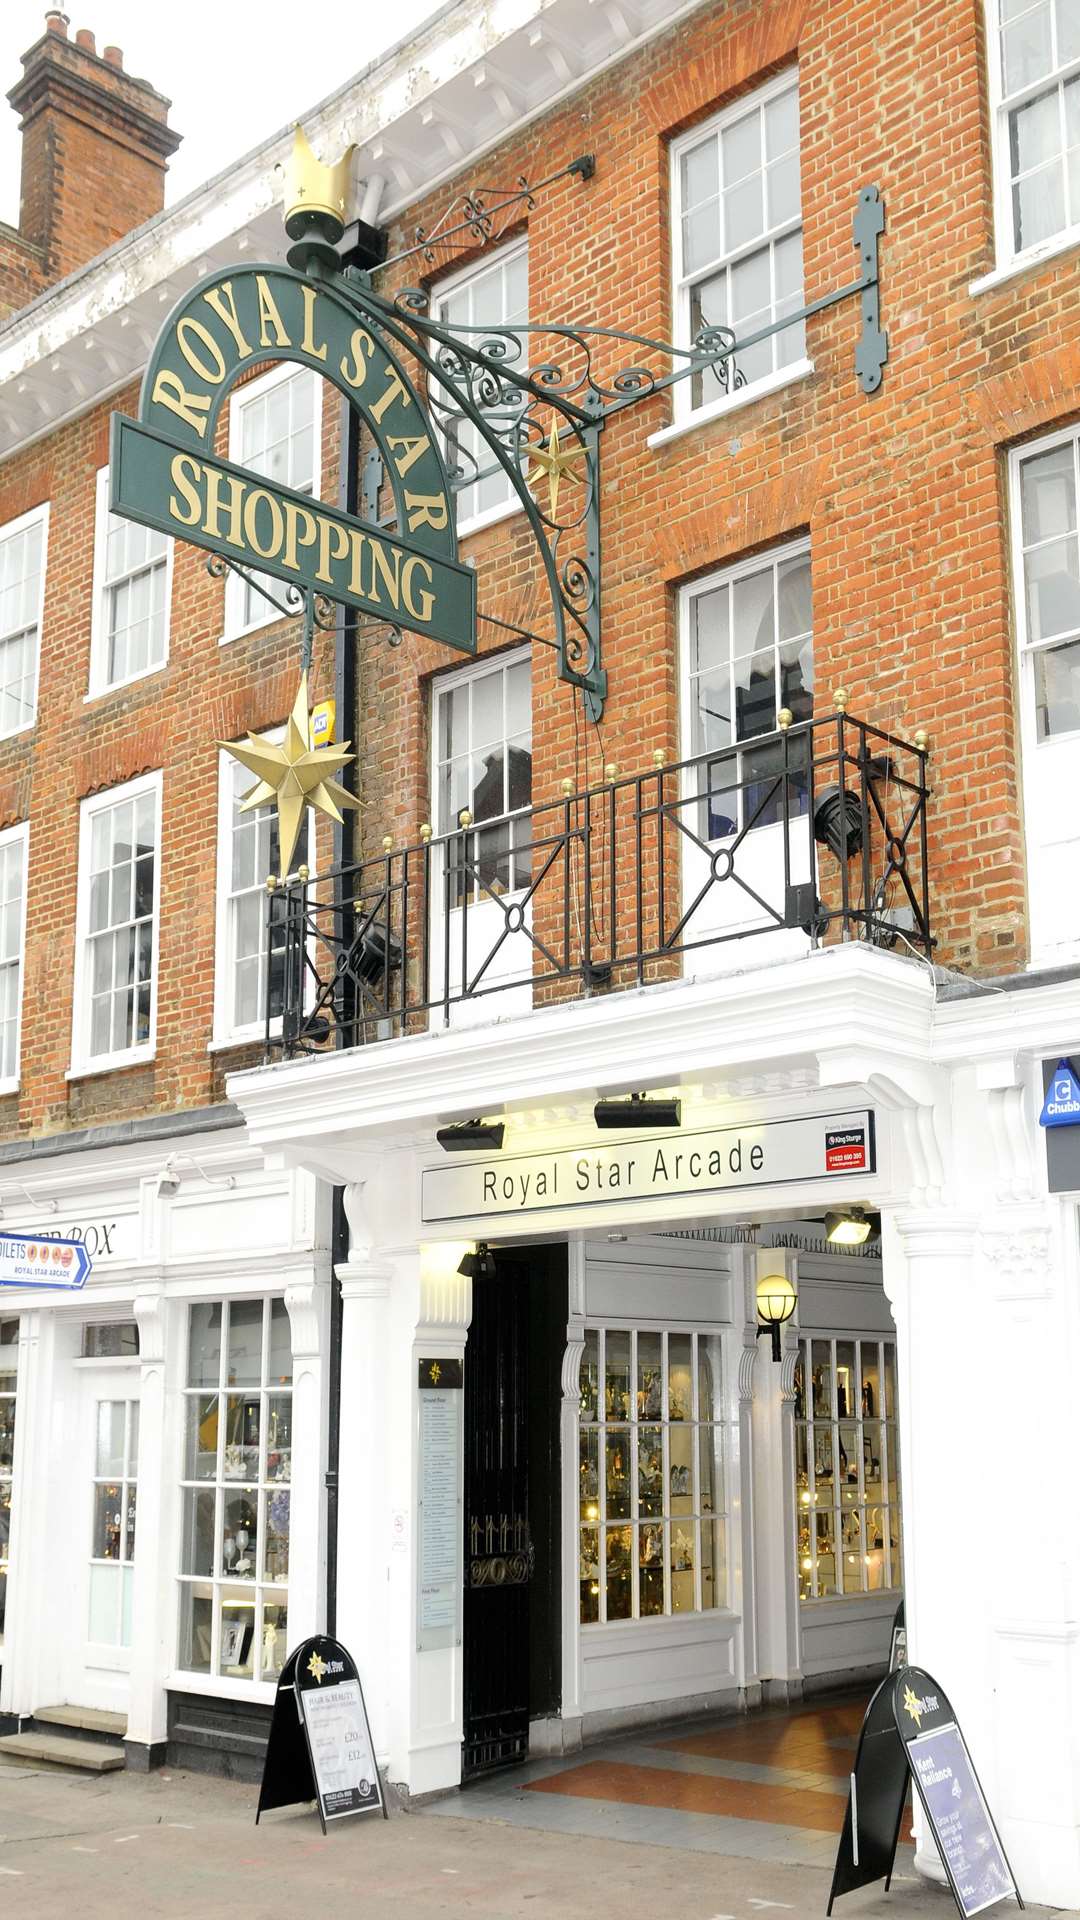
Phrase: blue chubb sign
x=1061 y=1108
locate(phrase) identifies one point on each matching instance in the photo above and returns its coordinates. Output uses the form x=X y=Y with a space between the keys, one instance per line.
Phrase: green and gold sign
x=165 y=474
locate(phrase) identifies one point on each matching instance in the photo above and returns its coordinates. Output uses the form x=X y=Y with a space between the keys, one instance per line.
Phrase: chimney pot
x=114 y=56
x=84 y=38
x=57 y=22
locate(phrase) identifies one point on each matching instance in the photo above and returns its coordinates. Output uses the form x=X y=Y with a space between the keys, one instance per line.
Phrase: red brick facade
x=902 y=496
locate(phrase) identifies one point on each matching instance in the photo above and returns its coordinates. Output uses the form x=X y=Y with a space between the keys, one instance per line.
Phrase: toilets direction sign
x=39 y=1262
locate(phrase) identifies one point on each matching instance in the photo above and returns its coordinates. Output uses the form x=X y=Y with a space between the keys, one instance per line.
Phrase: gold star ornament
x=316 y=1666
x=294 y=775
x=913 y=1705
x=556 y=463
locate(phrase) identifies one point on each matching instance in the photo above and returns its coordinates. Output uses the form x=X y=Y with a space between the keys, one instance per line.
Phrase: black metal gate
x=498 y=1545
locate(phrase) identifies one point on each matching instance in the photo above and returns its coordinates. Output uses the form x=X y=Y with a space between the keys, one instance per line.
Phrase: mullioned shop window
x=847 y=1468
x=237 y=1471
x=651 y=1538
x=9 y=1364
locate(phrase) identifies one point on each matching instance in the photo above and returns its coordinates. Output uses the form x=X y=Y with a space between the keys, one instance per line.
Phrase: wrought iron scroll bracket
x=318 y=612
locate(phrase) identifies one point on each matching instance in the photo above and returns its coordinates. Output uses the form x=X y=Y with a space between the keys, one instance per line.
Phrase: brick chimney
x=94 y=147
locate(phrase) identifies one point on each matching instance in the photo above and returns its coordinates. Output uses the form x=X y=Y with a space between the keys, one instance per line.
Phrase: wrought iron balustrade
x=808 y=835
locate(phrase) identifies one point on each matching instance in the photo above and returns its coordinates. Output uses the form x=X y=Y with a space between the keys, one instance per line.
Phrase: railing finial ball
x=659 y=758
x=784 y=719
x=840 y=699
x=271 y=883
x=611 y=771
x=567 y=787
x=388 y=841
x=464 y=818
x=425 y=832
x=922 y=739
x=303 y=873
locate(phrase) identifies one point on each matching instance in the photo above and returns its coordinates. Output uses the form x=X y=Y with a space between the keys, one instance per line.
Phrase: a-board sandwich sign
x=911 y=1731
x=320 y=1741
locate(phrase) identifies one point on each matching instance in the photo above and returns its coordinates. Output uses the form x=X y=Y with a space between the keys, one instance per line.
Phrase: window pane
x=650 y=1472
x=589 y=1475
x=204 y=1346
x=589 y=1575
x=236 y=1655
x=280 y=1370
x=279 y=1437
x=245 y=1343
x=650 y=1570
x=650 y=1379
x=682 y=1556
x=240 y=1460
x=108 y=1521
x=617 y=1370
x=1035 y=132
x=197 y=1548
x=1039 y=205
x=239 y=1542
x=1026 y=48
x=589 y=1378
x=109 y=1459
x=196 y=1616
x=1057 y=690
x=619 y=1545
x=617 y=1475
x=277 y=1535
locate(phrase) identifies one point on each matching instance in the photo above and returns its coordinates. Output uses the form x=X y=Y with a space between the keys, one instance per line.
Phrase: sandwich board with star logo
x=320 y=1744
x=911 y=1732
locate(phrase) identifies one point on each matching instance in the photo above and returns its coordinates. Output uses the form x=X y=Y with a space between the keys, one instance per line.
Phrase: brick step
x=81 y=1722
x=46 y=1749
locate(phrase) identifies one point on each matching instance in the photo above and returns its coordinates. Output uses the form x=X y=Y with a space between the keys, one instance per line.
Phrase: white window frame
x=82 y=1061
x=1027 y=648
x=722 y=1511
x=275 y=376
x=685 y=412
x=444 y=686
x=808 y=1506
x=1009 y=258
x=10 y=530
x=694 y=590
x=263 y=1591
x=9 y=1083
x=99 y=626
x=226 y=1034
x=452 y=283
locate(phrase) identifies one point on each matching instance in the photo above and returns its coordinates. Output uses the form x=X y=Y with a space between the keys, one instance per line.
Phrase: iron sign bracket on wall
x=499 y=413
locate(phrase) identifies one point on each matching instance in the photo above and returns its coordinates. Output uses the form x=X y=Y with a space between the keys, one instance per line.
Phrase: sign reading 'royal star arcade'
x=707 y=1162
x=163 y=470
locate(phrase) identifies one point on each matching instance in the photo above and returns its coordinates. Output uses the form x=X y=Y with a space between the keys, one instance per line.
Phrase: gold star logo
x=316 y=1666
x=295 y=775
x=557 y=463
x=913 y=1705
x=435 y=1373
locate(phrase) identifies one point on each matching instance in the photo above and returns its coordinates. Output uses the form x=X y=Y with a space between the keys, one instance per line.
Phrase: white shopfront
x=166 y=1435
x=908 y=1383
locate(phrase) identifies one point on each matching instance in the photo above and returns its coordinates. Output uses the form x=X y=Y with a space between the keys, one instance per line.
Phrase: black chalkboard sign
x=910 y=1730
x=320 y=1742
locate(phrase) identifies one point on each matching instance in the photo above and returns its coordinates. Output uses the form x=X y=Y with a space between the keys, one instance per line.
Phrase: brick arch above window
x=769 y=35
x=781 y=508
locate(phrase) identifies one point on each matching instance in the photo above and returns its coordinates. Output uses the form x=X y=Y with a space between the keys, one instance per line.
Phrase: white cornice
x=479 y=72
x=872 y=1008
x=1033 y=1020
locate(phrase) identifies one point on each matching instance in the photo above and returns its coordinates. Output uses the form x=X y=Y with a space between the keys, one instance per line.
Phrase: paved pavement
x=731 y=1822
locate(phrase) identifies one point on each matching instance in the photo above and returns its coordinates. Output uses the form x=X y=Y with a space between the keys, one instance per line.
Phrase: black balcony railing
x=810 y=835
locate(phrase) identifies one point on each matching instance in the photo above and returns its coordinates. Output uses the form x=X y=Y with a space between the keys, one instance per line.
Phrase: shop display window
x=237 y=1472
x=9 y=1360
x=651 y=1475
x=847 y=1468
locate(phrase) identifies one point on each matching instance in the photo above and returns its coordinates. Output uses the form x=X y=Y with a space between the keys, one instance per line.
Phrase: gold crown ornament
x=316 y=202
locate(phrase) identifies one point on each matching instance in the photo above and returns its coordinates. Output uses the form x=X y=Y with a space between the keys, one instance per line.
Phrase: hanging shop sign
x=911 y=1730
x=164 y=473
x=320 y=1741
x=42 y=1262
x=1061 y=1107
x=439 y=1550
x=716 y=1160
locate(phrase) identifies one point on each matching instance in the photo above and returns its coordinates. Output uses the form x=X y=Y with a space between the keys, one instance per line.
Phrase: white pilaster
x=773 y=1441
x=308 y=1305
x=151 y=1655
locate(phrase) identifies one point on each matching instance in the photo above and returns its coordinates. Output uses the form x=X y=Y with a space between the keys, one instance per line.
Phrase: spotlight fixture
x=776 y=1298
x=638 y=1112
x=168 y=1180
x=478 y=1263
x=852 y=1227
x=465 y=1136
x=838 y=822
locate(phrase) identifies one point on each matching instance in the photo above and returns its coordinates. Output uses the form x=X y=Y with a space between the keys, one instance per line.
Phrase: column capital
x=364 y=1279
x=307 y=1303
x=149 y=1310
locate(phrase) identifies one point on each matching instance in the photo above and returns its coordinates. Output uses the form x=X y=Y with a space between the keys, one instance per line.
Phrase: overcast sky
x=234 y=73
